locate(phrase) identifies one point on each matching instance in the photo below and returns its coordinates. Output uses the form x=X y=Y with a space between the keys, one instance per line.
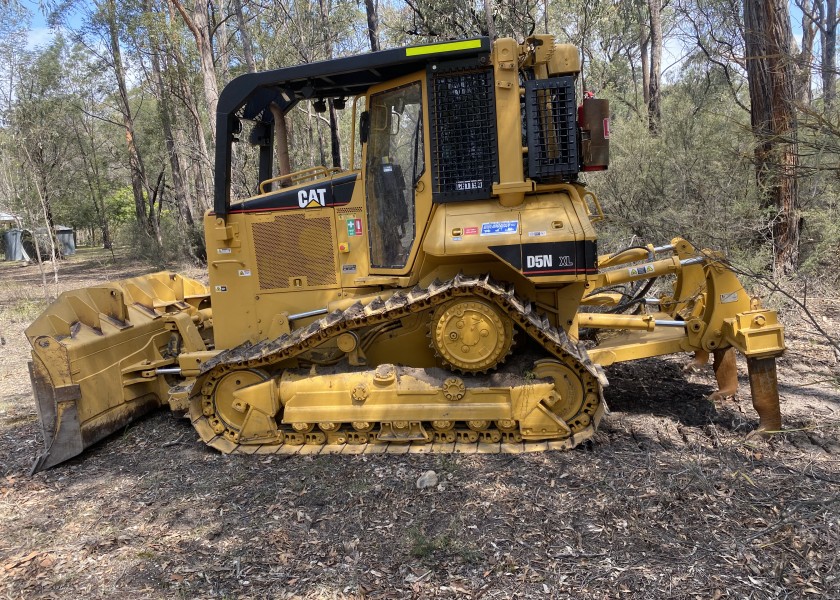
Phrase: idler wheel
x=572 y=395
x=228 y=418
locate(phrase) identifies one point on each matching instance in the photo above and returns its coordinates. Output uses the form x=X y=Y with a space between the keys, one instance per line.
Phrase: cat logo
x=312 y=197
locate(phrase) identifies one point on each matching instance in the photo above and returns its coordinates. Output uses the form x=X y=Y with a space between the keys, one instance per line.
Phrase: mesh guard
x=463 y=131
x=550 y=115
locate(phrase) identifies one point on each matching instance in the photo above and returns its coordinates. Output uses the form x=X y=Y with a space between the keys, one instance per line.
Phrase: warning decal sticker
x=640 y=270
x=499 y=227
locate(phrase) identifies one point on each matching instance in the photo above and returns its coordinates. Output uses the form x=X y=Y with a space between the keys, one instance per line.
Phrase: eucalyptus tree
x=821 y=15
x=37 y=120
x=770 y=68
x=153 y=23
x=100 y=26
x=197 y=19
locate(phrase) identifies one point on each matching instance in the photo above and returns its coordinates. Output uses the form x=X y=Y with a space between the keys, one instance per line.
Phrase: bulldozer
x=443 y=293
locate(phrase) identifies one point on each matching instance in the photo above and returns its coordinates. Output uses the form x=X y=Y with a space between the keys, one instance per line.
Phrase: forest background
x=725 y=124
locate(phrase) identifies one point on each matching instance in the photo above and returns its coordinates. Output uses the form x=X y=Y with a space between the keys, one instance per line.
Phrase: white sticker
x=221 y=288
x=536 y=233
x=348 y=268
x=640 y=270
x=456 y=238
x=469 y=184
x=499 y=227
x=224 y=250
x=244 y=273
x=728 y=298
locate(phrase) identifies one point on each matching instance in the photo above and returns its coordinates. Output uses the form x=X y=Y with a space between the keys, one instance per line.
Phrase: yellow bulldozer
x=435 y=294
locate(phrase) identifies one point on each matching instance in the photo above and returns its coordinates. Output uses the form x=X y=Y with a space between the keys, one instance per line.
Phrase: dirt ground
x=672 y=500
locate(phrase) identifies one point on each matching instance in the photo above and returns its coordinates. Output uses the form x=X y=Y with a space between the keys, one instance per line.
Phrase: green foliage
x=120 y=206
x=178 y=246
x=694 y=180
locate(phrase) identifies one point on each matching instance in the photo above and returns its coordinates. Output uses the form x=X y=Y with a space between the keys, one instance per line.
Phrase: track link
x=270 y=354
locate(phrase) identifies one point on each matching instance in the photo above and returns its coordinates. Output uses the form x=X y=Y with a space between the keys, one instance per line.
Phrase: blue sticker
x=499 y=227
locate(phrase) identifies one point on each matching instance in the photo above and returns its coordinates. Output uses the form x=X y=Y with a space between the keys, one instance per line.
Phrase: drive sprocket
x=471 y=335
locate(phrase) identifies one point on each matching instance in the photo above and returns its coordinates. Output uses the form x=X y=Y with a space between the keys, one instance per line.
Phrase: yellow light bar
x=444 y=47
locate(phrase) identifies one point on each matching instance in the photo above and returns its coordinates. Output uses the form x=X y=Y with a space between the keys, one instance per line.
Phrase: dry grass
x=673 y=500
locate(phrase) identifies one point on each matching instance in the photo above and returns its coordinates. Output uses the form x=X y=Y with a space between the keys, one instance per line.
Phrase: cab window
x=394 y=164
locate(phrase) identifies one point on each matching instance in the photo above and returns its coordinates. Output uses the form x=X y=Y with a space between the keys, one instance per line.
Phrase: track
x=269 y=355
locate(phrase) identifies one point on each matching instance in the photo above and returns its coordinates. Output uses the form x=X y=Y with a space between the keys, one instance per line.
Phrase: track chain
x=270 y=353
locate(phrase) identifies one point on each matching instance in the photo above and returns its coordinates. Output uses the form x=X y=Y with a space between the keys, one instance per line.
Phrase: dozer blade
x=95 y=352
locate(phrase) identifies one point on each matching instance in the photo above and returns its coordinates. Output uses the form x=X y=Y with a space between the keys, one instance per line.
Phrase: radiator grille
x=463 y=133
x=551 y=117
x=293 y=247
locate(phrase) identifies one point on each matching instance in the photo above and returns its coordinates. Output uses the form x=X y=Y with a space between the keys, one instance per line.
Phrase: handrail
x=299 y=176
x=598 y=215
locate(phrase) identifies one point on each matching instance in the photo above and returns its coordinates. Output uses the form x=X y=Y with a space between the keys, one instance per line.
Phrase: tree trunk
x=545 y=15
x=245 y=36
x=829 y=53
x=219 y=24
x=806 y=54
x=654 y=103
x=199 y=25
x=165 y=114
x=372 y=24
x=770 y=72
x=92 y=176
x=281 y=141
x=135 y=160
x=335 y=142
x=45 y=196
x=488 y=19
x=200 y=163
x=644 y=49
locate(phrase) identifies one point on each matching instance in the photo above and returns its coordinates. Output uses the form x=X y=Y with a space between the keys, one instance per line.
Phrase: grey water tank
x=12 y=245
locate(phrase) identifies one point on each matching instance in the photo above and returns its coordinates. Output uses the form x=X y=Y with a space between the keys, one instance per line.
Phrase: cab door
x=396 y=194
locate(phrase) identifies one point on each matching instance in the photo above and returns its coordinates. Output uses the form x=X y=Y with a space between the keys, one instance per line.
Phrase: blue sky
x=40 y=34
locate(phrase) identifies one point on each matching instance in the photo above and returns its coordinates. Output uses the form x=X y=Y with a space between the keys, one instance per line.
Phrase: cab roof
x=249 y=96
x=252 y=93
